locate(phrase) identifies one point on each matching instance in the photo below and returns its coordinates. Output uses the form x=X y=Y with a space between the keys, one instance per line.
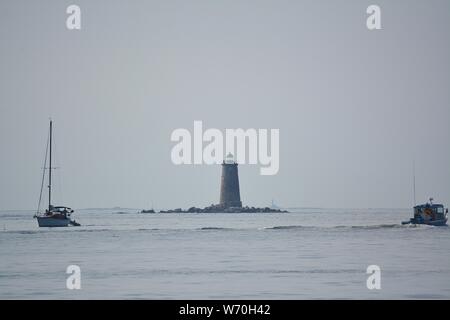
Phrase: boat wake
x=290 y=227
x=350 y=227
x=212 y=228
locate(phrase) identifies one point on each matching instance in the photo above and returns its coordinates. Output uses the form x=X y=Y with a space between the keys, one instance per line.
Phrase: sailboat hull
x=53 y=222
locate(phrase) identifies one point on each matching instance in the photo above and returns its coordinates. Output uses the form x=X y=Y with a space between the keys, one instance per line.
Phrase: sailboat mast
x=50 y=171
x=414 y=181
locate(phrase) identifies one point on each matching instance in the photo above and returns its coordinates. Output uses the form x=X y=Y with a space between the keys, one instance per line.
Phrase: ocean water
x=304 y=254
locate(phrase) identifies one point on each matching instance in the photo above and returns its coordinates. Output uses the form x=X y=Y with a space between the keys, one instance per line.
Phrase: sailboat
x=54 y=216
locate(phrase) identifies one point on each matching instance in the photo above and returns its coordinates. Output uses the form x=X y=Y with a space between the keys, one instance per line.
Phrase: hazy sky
x=354 y=107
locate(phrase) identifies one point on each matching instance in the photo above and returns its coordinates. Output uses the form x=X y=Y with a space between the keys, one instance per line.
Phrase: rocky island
x=230 y=198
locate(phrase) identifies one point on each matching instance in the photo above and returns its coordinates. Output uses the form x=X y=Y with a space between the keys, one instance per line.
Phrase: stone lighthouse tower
x=229 y=184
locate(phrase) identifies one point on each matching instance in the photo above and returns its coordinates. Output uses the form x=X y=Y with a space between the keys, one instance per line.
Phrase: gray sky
x=354 y=107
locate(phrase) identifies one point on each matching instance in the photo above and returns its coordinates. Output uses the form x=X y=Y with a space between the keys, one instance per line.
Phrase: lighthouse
x=229 y=184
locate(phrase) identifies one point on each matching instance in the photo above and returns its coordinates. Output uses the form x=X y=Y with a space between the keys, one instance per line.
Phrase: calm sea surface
x=309 y=253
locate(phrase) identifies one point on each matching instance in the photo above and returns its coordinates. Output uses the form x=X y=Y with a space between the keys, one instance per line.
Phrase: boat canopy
x=61 y=208
x=428 y=205
x=436 y=210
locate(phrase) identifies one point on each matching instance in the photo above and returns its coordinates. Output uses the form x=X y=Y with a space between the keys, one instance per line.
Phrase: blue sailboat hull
x=53 y=222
